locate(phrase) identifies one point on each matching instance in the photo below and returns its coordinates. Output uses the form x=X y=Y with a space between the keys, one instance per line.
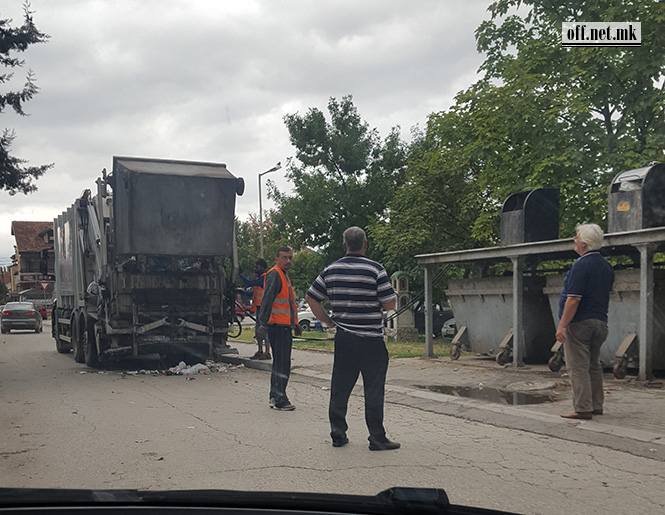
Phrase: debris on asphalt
x=183 y=369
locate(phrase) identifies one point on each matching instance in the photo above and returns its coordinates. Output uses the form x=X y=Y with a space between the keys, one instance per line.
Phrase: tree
x=570 y=118
x=14 y=175
x=437 y=205
x=307 y=264
x=343 y=175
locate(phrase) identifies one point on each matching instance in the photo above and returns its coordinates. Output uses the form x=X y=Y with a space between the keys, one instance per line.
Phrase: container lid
x=169 y=167
x=633 y=175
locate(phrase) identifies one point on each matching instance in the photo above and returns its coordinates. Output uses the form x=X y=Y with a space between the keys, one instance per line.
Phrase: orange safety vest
x=257 y=295
x=285 y=301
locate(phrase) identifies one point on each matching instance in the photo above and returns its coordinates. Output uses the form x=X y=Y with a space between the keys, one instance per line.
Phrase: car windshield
x=395 y=247
x=16 y=306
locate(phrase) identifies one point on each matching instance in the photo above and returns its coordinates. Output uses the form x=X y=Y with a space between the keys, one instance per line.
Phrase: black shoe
x=283 y=406
x=383 y=445
x=597 y=412
x=340 y=442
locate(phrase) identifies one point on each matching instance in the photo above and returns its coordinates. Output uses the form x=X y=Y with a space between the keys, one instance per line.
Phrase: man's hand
x=261 y=333
x=297 y=330
x=561 y=335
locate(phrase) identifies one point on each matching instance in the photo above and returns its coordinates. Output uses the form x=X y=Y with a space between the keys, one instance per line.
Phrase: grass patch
x=316 y=341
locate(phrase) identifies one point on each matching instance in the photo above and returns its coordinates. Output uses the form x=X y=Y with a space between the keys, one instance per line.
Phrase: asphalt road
x=64 y=425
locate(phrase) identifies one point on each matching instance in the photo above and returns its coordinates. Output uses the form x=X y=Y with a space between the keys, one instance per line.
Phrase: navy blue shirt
x=591 y=278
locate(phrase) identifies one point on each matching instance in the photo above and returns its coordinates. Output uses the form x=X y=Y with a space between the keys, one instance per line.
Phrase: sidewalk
x=477 y=388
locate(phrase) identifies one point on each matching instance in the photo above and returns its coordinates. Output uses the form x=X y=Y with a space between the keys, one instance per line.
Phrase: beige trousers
x=582 y=351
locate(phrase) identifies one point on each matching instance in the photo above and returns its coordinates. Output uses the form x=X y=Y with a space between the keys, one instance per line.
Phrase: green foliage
x=4 y=293
x=541 y=116
x=568 y=118
x=14 y=176
x=343 y=175
x=307 y=265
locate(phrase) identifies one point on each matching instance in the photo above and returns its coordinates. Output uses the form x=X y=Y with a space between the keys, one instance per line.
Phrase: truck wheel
x=61 y=346
x=304 y=325
x=90 y=346
x=77 y=343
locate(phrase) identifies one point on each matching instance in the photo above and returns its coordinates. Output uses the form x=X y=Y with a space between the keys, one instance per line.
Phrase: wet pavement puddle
x=495 y=395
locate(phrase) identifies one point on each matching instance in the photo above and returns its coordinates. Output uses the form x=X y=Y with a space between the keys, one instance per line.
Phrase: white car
x=449 y=329
x=307 y=320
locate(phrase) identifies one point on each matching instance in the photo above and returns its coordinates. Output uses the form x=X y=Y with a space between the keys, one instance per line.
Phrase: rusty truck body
x=146 y=264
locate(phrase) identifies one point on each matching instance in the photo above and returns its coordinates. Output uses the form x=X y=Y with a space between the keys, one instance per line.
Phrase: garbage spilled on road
x=182 y=369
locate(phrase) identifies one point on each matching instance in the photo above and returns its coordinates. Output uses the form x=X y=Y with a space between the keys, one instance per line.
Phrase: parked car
x=20 y=315
x=440 y=315
x=449 y=329
x=308 y=321
x=43 y=310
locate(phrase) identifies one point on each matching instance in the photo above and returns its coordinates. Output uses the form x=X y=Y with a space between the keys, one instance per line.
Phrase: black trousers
x=281 y=342
x=353 y=356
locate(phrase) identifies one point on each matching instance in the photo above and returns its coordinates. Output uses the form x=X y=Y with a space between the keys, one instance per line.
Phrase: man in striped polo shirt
x=359 y=291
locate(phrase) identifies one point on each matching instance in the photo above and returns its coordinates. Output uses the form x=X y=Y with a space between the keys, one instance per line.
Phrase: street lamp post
x=273 y=169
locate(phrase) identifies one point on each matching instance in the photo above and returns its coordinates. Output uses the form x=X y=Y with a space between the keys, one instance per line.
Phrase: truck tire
x=61 y=346
x=89 y=345
x=77 y=343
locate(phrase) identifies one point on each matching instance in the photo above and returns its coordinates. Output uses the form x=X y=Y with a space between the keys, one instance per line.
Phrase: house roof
x=29 y=235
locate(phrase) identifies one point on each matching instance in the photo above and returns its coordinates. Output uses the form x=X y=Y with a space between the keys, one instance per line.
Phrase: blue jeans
x=354 y=356
x=281 y=341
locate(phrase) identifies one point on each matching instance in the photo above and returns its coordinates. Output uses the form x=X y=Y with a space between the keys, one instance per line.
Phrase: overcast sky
x=211 y=80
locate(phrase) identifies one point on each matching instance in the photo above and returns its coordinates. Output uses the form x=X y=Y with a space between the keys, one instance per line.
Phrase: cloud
x=212 y=81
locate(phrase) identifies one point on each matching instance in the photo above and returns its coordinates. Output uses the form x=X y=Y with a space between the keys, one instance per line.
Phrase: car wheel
x=304 y=325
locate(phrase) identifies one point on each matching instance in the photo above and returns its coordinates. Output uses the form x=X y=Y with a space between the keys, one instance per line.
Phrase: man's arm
x=569 y=310
x=251 y=282
x=272 y=287
x=387 y=306
x=319 y=311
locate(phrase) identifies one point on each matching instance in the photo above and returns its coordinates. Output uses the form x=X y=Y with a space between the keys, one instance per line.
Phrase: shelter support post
x=429 y=315
x=518 y=310
x=646 y=340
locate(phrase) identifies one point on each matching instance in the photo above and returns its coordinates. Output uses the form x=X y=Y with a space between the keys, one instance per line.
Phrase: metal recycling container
x=485 y=307
x=530 y=216
x=637 y=199
x=623 y=314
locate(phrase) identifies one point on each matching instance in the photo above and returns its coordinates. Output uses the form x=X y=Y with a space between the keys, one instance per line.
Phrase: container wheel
x=455 y=352
x=503 y=357
x=555 y=362
x=620 y=369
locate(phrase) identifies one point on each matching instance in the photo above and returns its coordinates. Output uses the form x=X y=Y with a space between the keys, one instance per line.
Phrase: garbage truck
x=147 y=264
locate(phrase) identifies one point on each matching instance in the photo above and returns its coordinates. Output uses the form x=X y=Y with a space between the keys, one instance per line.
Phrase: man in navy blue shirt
x=359 y=291
x=583 y=307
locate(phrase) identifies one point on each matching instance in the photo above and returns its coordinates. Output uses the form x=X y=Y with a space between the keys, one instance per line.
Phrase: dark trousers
x=281 y=342
x=353 y=356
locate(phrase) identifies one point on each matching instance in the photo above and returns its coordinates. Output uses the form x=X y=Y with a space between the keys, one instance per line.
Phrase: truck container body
x=146 y=265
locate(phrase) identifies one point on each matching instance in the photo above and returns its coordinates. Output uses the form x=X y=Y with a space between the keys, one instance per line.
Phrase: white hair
x=591 y=234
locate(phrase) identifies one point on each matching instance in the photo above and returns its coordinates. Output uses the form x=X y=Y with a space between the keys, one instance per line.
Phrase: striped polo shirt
x=356 y=287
